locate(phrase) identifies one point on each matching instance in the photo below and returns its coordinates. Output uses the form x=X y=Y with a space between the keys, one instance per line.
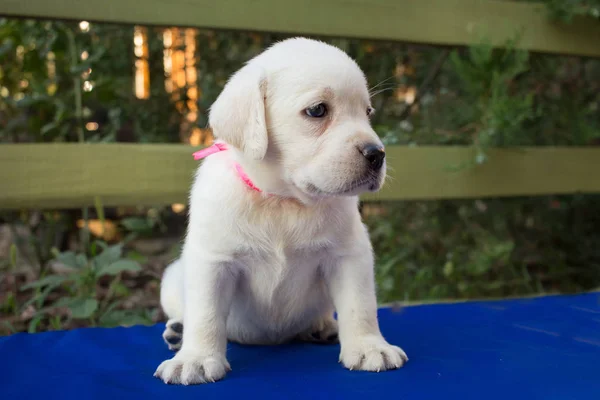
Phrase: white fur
x=264 y=268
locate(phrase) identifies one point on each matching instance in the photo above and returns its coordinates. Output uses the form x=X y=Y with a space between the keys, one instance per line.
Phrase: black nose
x=374 y=155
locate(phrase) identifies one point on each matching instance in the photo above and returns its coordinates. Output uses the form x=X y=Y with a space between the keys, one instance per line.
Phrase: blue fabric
x=545 y=348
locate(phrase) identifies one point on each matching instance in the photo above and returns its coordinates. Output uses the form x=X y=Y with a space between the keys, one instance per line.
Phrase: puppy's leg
x=208 y=290
x=324 y=330
x=171 y=300
x=352 y=287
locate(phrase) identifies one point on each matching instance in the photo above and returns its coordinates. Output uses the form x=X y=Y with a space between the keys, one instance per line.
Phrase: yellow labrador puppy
x=275 y=243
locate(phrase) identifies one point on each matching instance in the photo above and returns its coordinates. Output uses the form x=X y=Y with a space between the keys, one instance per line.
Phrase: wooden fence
x=70 y=175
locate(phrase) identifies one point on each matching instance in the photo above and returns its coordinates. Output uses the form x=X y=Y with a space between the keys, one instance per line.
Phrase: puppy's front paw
x=190 y=369
x=371 y=354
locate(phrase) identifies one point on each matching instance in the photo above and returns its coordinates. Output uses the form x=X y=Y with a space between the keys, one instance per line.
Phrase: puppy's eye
x=370 y=111
x=317 y=111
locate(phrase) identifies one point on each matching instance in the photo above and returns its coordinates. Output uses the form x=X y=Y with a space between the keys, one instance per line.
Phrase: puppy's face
x=316 y=109
x=319 y=128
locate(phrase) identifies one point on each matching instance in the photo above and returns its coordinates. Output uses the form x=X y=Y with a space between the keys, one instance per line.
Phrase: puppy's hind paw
x=323 y=332
x=173 y=334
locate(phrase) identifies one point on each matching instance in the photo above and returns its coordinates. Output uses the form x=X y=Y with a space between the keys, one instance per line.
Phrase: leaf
x=108 y=256
x=100 y=211
x=84 y=66
x=130 y=237
x=9 y=326
x=84 y=308
x=32 y=327
x=136 y=224
x=67 y=258
x=120 y=266
x=7 y=46
x=118 y=289
x=94 y=248
x=80 y=308
x=29 y=101
x=81 y=260
x=110 y=308
x=13 y=255
x=62 y=302
x=448 y=268
x=79 y=68
x=136 y=256
x=40 y=297
x=10 y=304
x=50 y=280
x=48 y=127
x=56 y=323
x=124 y=318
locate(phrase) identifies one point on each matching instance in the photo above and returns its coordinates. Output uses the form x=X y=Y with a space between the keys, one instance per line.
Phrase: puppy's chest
x=283 y=278
x=283 y=243
x=282 y=252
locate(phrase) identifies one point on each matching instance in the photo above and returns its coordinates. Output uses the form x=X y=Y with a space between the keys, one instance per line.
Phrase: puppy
x=275 y=243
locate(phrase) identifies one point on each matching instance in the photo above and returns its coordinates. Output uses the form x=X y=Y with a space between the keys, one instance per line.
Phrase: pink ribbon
x=220 y=146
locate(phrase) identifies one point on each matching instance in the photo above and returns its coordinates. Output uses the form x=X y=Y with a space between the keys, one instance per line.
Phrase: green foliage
x=79 y=288
x=486 y=74
x=39 y=105
x=495 y=97
x=486 y=248
x=9 y=305
x=566 y=10
x=144 y=225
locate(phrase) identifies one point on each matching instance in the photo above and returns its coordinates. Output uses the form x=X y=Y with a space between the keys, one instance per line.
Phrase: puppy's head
x=302 y=108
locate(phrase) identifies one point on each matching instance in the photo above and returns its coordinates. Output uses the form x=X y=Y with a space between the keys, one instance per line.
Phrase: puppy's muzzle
x=375 y=155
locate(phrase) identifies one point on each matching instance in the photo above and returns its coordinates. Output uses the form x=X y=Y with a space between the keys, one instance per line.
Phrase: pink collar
x=220 y=146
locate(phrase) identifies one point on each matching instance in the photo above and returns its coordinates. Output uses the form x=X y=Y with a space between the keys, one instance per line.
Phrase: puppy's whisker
x=382 y=82
x=371 y=95
x=389 y=84
x=386 y=87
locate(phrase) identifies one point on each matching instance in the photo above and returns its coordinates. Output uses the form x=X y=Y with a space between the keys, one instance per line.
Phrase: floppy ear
x=238 y=115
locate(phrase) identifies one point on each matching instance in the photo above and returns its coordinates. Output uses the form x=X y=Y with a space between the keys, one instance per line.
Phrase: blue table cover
x=543 y=348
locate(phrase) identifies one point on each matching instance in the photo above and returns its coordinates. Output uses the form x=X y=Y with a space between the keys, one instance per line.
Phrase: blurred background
x=97 y=82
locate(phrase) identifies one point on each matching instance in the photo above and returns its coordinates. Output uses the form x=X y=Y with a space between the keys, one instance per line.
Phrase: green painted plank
x=443 y=22
x=70 y=175
x=431 y=173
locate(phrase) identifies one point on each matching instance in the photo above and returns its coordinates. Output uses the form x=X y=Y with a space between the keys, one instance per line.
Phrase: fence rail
x=71 y=175
x=442 y=22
